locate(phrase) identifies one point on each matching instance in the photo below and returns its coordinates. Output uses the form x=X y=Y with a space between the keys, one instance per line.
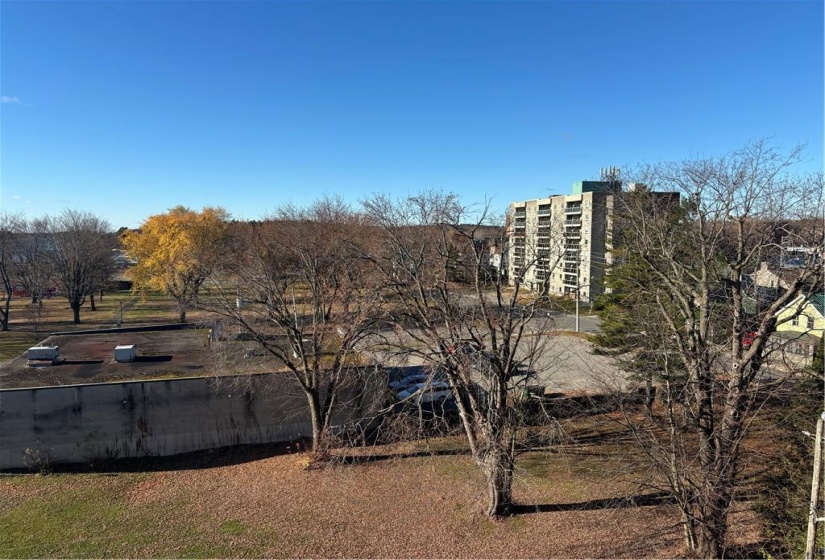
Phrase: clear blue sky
x=129 y=108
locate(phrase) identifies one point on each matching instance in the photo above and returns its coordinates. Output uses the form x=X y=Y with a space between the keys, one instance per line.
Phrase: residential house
x=800 y=327
x=804 y=315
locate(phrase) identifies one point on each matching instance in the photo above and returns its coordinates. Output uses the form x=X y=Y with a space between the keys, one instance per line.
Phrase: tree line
x=70 y=252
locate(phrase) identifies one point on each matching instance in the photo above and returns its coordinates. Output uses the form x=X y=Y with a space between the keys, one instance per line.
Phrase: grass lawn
x=56 y=315
x=14 y=343
x=413 y=500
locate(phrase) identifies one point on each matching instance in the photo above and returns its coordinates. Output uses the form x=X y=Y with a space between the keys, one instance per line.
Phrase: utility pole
x=813 y=519
x=578 y=287
x=577 y=308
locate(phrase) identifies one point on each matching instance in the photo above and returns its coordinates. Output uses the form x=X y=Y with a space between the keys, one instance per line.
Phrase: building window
x=795 y=321
x=809 y=322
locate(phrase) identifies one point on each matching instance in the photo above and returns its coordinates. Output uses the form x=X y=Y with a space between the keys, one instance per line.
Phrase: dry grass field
x=412 y=501
x=28 y=327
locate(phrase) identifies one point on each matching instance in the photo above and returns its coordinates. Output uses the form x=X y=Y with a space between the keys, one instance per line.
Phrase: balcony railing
x=544 y=211
x=572 y=209
x=572 y=223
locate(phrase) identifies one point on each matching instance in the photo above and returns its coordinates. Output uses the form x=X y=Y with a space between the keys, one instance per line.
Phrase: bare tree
x=101 y=275
x=708 y=333
x=33 y=263
x=297 y=285
x=11 y=227
x=79 y=250
x=474 y=331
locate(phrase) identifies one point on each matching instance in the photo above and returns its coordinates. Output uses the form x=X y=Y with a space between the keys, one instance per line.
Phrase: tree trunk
x=498 y=470
x=76 y=313
x=320 y=433
x=181 y=314
x=4 y=314
x=712 y=508
x=92 y=302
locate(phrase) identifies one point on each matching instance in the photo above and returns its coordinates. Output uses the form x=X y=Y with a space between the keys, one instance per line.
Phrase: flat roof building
x=562 y=243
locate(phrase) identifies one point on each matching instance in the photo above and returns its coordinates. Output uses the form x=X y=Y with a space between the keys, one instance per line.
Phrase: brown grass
x=402 y=503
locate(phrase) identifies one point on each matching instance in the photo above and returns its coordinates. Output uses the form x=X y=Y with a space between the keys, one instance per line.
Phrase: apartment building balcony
x=573 y=234
x=544 y=211
x=571 y=210
x=571 y=257
x=570 y=280
x=572 y=223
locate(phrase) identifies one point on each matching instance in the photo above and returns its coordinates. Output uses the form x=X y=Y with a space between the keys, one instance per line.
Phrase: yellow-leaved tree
x=176 y=251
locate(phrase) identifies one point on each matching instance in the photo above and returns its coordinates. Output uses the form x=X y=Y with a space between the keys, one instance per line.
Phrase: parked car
x=425 y=393
x=409 y=380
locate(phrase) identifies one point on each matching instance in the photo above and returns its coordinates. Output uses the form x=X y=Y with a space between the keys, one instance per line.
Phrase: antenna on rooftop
x=610 y=174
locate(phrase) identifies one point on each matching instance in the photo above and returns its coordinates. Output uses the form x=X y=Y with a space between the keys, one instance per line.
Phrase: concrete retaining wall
x=82 y=423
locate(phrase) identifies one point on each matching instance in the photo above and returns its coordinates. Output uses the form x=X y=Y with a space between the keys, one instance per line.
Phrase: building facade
x=562 y=243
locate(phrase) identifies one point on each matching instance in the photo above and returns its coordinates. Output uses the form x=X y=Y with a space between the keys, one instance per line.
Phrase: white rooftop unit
x=126 y=353
x=43 y=353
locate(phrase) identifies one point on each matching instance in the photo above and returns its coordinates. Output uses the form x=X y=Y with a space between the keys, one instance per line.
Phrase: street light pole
x=578 y=287
x=577 y=308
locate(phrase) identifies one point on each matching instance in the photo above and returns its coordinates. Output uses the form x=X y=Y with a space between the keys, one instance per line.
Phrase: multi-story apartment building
x=562 y=242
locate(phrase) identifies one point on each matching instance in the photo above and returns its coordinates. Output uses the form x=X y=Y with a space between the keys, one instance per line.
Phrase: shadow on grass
x=206 y=459
x=744 y=551
x=374 y=458
x=654 y=499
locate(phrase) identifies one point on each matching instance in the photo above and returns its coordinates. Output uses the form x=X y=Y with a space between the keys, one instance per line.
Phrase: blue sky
x=127 y=109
